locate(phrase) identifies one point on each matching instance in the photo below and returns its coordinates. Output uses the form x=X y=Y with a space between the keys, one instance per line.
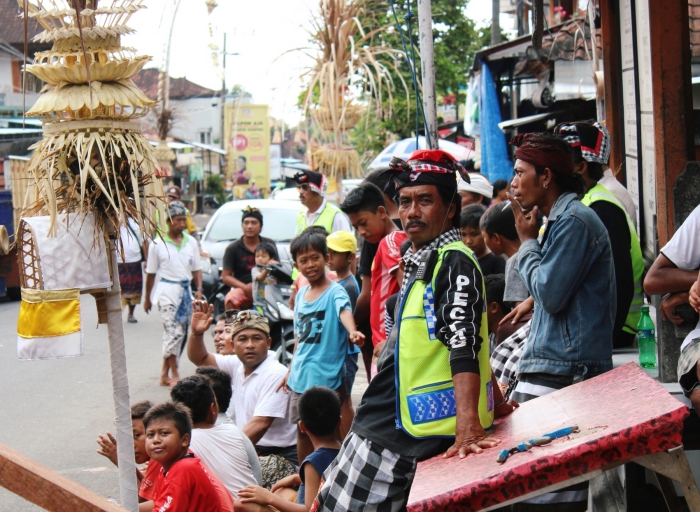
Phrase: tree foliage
x=456 y=39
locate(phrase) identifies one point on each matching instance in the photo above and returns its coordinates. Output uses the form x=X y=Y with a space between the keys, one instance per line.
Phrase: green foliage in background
x=456 y=40
x=215 y=187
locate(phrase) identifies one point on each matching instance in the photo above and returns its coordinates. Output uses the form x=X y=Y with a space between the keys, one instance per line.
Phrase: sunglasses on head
x=242 y=316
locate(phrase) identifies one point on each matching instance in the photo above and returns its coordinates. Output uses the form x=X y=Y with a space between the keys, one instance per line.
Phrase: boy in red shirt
x=367 y=211
x=108 y=448
x=184 y=483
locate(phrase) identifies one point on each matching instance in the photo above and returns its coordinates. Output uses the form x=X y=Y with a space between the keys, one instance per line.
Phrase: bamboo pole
x=425 y=29
x=128 y=489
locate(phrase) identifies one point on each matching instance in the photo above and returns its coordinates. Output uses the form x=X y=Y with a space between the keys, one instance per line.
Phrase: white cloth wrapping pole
x=128 y=489
x=425 y=30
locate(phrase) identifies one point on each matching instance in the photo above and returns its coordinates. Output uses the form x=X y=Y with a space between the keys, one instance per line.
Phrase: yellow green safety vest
x=425 y=397
x=599 y=193
x=325 y=219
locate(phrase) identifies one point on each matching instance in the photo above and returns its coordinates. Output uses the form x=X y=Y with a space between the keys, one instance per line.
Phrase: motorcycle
x=275 y=308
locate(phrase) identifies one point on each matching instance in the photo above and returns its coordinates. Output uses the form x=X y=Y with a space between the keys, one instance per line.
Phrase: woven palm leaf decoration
x=347 y=68
x=93 y=157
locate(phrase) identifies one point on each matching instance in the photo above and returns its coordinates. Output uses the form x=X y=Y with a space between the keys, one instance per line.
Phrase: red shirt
x=148 y=484
x=384 y=283
x=189 y=486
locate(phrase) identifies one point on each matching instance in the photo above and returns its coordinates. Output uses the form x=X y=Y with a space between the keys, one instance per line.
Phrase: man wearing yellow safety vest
x=434 y=390
x=318 y=212
x=591 y=143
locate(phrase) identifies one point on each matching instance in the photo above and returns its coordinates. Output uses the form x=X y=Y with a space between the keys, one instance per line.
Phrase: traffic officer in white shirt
x=176 y=258
x=260 y=412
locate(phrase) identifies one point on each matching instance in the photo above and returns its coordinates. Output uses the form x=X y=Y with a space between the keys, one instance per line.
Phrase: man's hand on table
x=470 y=438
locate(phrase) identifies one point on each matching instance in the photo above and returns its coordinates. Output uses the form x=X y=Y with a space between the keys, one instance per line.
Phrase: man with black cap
x=318 y=212
x=176 y=259
x=571 y=276
x=590 y=142
x=433 y=391
x=239 y=258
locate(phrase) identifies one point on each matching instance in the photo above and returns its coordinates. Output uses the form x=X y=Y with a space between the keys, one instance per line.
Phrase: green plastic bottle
x=646 y=340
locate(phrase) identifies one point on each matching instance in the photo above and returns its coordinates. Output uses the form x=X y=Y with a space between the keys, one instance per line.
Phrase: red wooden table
x=624 y=416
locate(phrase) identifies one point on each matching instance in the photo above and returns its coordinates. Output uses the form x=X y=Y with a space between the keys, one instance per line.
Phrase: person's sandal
x=132 y=320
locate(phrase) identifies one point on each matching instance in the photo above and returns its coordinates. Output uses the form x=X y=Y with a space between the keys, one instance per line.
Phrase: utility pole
x=223 y=96
x=425 y=35
x=496 y=22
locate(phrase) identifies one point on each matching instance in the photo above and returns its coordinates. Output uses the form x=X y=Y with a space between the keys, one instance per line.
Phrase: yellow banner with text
x=247 y=136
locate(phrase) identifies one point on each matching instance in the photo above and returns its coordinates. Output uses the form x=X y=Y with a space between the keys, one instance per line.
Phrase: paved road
x=52 y=411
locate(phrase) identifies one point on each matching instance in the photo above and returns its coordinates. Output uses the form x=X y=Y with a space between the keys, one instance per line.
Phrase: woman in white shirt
x=130 y=258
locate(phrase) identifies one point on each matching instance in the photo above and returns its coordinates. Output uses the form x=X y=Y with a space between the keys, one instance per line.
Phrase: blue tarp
x=495 y=163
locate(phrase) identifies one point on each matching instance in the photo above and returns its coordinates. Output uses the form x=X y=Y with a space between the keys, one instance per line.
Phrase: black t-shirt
x=240 y=261
x=615 y=221
x=492 y=264
x=375 y=418
x=367 y=254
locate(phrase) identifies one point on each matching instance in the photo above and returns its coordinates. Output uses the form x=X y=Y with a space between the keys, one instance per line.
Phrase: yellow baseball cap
x=342 y=241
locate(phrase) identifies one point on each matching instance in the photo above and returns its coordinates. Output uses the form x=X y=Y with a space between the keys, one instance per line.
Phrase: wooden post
x=610 y=23
x=128 y=488
x=425 y=30
x=670 y=65
x=49 y=490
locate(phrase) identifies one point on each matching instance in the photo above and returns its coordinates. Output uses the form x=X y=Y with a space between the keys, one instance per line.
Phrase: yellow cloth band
x=54 y=316
x=29 y=295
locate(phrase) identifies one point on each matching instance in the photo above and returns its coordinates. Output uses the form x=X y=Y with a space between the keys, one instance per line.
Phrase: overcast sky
x=260 y=31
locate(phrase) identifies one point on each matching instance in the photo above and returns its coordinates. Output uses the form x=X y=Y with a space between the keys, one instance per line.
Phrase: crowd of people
x=471 y=298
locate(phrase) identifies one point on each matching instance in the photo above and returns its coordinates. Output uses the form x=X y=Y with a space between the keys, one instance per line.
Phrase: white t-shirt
x=683 y=250
x=255 y=395
x=131 y=244
x=222 y=450
x=174 y=264
x=340 y=221
x=610 y=182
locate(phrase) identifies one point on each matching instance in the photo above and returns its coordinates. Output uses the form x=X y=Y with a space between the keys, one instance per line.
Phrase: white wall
x=194 y=116
x=5 y=73
x=9 y=96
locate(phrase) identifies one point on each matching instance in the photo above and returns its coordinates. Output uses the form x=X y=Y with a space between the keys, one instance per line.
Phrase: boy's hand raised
x=108 y=447
x=357 y=338
x=201 y=317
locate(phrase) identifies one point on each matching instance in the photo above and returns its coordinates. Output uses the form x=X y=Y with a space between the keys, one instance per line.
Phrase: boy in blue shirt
x=342 y=246
x=323 y=322
x=319 y=409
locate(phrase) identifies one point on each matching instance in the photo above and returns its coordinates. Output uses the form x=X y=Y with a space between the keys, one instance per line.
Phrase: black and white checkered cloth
x=505 y=357
x=412 y=259
x=365 y=477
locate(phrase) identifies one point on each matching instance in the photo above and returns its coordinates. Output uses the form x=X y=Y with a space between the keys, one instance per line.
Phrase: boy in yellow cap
x=342 y=247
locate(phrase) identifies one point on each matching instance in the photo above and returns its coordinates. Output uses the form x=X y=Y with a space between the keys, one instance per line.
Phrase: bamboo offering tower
x=91 y=145
x=92 y=172
x=347 y=70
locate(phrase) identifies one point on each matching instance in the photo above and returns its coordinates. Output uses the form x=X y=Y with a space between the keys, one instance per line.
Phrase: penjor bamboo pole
x=128 y=489
x=425 y=30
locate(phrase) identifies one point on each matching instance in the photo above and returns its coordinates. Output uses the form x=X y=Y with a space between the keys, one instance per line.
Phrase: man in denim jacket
x=571 y=276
